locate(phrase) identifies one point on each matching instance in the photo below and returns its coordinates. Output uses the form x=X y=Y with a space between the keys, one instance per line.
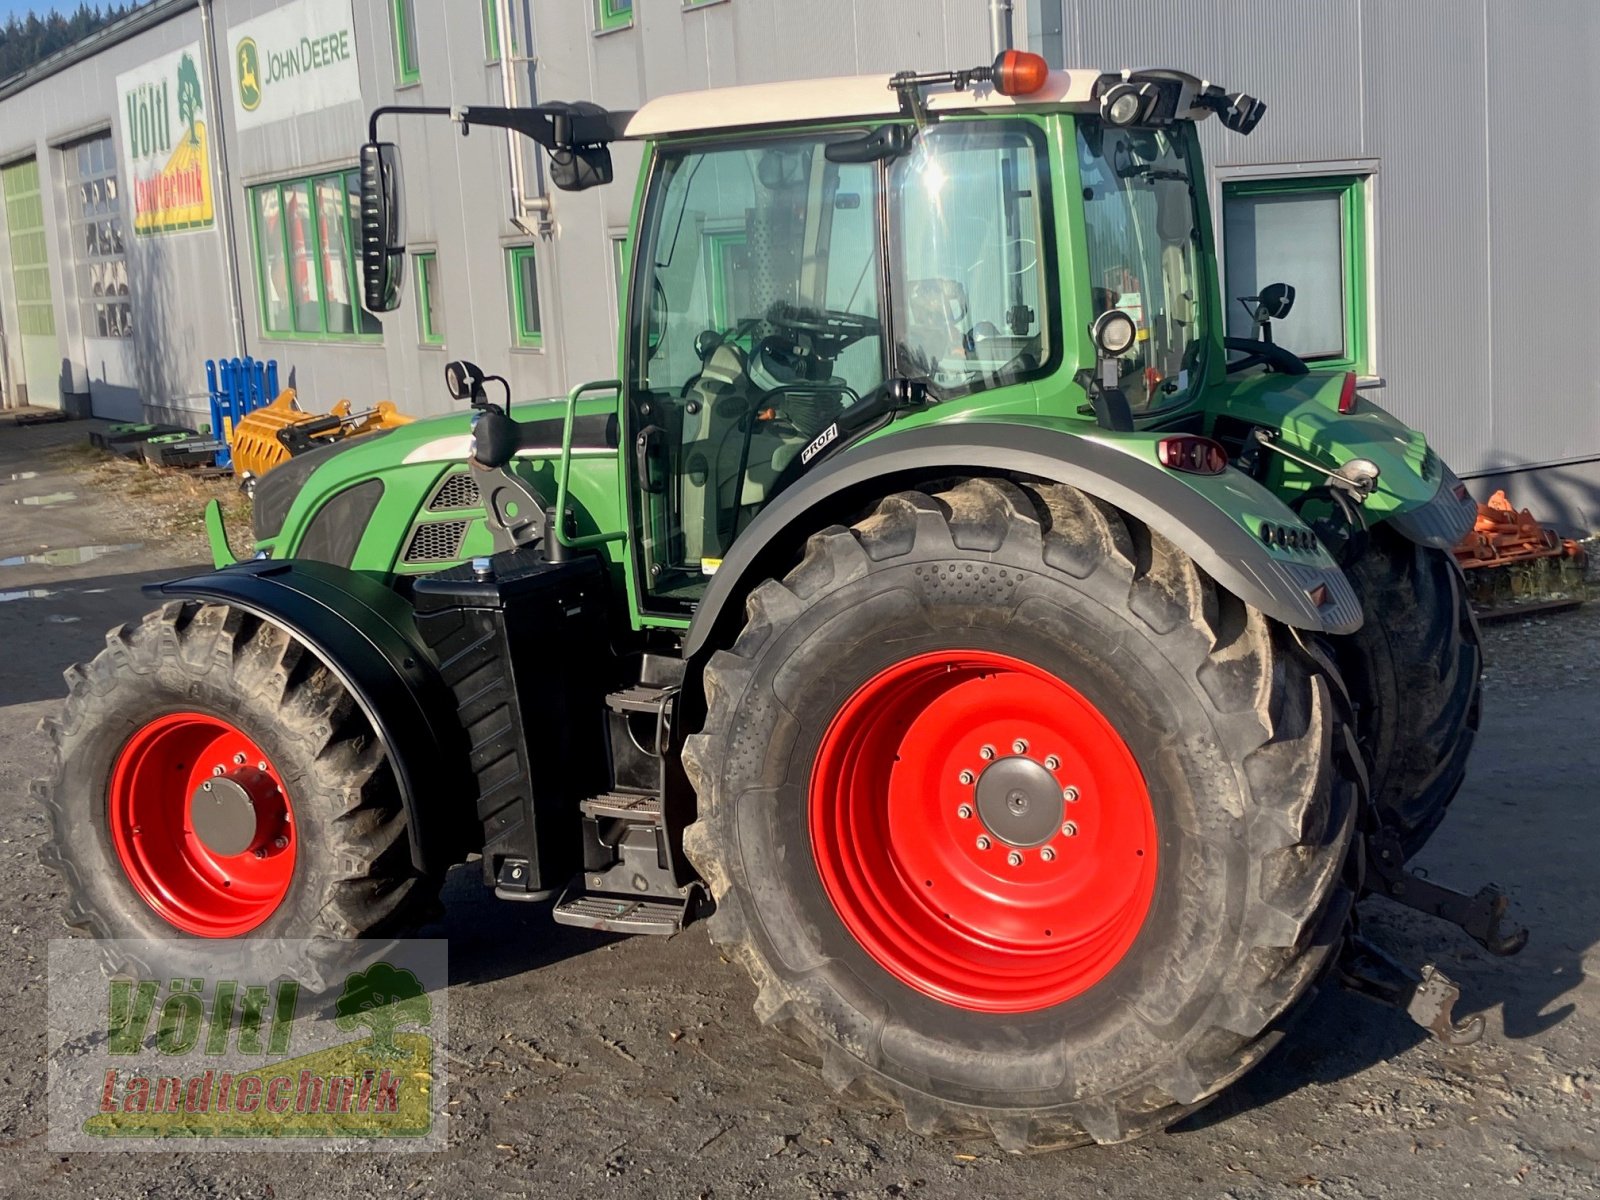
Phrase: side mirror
x=1275 y=301
x=579 y=168
x=383 y=241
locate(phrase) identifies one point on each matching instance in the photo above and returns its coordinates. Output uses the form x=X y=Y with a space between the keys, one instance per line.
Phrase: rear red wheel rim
x=210 y=890
x=938 y=751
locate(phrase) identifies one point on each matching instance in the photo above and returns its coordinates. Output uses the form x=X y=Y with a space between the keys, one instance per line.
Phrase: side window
x=1311 y=234
x=971 y=309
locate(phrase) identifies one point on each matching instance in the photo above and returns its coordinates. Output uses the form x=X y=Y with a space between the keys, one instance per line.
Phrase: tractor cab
x=815 y=261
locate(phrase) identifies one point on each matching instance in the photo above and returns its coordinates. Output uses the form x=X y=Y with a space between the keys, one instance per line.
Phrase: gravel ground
x=584 y=1065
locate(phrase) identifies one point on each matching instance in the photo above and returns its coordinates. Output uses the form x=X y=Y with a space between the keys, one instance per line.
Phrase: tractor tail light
x=1192 y=454
x=1347 y=394
x=1018 y=73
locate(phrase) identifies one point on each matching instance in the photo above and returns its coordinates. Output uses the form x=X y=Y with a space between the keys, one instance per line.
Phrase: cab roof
x=842 y=98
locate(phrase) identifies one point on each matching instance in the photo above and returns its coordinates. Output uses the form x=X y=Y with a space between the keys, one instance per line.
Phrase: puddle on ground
x=26 y=594
x=61 y=619
x=66 y=556
x=16 y=475
x=49 y=501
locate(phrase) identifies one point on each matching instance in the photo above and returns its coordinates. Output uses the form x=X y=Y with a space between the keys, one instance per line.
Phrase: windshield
x=1143 y=248
x=969 y=308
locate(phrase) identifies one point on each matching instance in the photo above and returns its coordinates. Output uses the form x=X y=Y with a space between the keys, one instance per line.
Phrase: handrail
x=560 y=523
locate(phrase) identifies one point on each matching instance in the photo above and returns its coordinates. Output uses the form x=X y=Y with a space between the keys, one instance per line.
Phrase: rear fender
x=1205 y=517
x=364 y=633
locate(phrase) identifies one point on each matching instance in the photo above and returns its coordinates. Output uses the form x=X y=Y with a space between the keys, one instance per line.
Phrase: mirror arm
x=418 y=110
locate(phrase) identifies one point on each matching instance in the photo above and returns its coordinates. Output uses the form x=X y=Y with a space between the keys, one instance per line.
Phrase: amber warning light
x=1018 y=73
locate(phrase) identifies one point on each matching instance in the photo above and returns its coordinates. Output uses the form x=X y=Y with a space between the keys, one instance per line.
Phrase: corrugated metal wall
x=1473 y=118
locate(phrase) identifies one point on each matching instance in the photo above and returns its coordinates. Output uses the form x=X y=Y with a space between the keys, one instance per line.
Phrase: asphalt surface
x=586 y=1065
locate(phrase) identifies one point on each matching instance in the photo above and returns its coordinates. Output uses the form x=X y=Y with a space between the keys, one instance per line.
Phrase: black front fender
x=837 y=490
x=364 y=633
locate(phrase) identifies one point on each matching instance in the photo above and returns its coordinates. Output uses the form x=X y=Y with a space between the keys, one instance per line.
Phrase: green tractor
x=1023 y=677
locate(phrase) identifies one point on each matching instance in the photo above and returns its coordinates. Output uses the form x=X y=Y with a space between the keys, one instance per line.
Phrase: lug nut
x=1069 y=829
x=965 y=812
x=206 y=786
x=217 y=770
x=281 y=842
x=1052 y=763
x=986 y=753
x=261 y=766
x=239 y=759
x=1070 y=795
x=983 y=842
x=966 y=778
x=1014 y=859
x=1019 y=746
x=1047 y=854
x=261 y=852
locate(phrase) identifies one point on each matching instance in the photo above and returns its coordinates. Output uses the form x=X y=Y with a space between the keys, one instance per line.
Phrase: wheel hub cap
x=236 y=812
x=1019 y=801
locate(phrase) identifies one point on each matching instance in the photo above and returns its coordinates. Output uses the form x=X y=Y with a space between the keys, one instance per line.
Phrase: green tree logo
x=249 y=74
x=189 y=102
x=382 y=998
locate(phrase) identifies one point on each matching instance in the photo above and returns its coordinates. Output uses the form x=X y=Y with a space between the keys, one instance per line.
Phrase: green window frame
x=1351 y=194
x=407 y=65
x=306 y=240
x=523 y=288
x=612 y=14
x=430 y=322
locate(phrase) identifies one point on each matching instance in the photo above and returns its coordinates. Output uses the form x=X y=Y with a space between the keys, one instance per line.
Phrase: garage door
x=35 y=333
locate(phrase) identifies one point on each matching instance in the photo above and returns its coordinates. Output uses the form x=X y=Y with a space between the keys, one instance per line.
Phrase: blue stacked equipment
x=238 y=386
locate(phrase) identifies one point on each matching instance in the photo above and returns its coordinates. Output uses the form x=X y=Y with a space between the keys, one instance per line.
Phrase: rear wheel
x=1413 y=670
x=1017 y=819
x=213 y=779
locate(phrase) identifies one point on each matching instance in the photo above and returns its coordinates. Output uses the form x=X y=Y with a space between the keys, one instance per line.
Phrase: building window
x=430 y=321
x=612 y=14
x=406 y=63
x=307 y=260
x=524 y=296
x=1310 y=233
x=95 y=200
x=491 y=31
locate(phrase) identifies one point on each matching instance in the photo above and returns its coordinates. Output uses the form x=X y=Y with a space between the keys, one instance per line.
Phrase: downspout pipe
x=222 y=179
x=999 y=26
x=523 y=205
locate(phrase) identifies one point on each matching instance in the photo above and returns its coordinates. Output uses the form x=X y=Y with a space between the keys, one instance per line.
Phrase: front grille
x=436 y=541
x=459 y=490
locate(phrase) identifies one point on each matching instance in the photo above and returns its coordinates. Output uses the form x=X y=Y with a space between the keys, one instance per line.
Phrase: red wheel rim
x=943 y=749
x=159 y=776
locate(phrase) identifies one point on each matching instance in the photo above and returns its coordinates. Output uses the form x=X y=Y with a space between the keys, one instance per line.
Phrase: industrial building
x=180 y=187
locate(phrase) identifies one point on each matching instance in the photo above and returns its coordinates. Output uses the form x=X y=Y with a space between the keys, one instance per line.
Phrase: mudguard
x=1287 y=591
x=364 y=633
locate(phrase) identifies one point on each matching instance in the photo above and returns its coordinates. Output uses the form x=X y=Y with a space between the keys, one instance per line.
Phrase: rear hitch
x=1479 y=916
x=1427 y=996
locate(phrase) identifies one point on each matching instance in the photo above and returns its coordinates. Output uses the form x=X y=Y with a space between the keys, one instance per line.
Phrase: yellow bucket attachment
x=273 y=434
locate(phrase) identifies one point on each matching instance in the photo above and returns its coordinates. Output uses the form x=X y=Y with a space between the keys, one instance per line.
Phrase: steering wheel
x=834 y=324
x=1276 y=357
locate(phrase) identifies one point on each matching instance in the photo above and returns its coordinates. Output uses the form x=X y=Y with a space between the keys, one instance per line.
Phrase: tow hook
x=1426 y=995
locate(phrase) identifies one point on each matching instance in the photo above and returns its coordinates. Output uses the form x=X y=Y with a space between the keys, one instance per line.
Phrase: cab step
x=639 y=808
x=648 y=915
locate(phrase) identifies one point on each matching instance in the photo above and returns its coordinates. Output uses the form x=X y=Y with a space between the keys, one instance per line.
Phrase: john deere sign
x=297 y=59
x=165 y=145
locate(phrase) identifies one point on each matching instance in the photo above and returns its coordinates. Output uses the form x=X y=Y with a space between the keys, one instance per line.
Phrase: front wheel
x=213 y=779
x=1017 y=819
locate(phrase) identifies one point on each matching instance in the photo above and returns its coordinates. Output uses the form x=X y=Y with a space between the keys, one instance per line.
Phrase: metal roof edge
x=136 y=22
